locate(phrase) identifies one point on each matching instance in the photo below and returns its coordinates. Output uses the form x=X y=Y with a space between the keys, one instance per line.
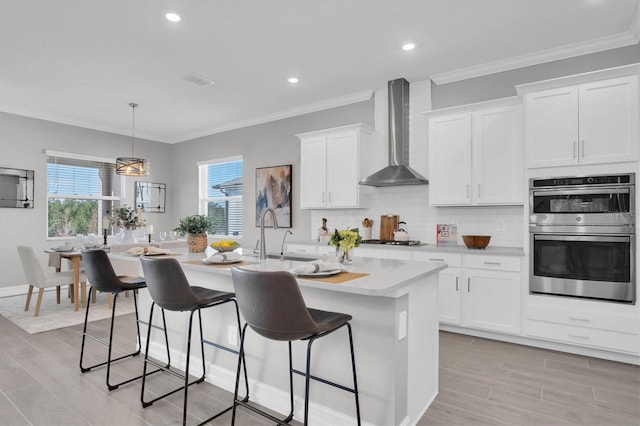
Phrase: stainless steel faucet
x=263 y=246
x=282 y=246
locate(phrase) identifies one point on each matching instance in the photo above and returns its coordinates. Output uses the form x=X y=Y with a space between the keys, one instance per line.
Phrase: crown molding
x=304 y=109
x=627 y=38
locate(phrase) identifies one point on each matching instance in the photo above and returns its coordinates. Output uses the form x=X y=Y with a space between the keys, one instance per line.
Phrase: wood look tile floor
x=482 y=382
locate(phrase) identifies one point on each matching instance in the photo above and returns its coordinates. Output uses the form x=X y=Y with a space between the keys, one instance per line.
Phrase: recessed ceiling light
x=408 y=46
x=173 y=17
x=293 y=80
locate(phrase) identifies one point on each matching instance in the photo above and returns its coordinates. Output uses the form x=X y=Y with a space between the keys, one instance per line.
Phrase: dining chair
x=37 y=278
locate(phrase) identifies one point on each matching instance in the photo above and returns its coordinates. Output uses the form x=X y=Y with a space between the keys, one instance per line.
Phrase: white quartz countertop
x=460 y=249
x=385 y=277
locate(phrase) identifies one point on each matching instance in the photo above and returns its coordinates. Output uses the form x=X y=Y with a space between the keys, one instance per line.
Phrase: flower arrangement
x=346 y=239
x=126 y=217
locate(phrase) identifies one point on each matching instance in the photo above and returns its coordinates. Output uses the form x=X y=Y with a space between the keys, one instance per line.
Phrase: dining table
x=75 y=257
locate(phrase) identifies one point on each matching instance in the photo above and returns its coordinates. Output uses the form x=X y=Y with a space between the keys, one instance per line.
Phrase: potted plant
x=196 y=228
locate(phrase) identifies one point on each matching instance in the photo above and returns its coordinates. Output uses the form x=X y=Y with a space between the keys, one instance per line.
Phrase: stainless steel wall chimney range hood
x=398 y=172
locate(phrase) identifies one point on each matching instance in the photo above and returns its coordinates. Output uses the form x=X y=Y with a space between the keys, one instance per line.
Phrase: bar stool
x=273 y=306
x=102 y=277
x=170 y=290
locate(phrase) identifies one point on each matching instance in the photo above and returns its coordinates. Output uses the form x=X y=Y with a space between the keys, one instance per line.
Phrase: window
x=80 y=191
x=220 y=195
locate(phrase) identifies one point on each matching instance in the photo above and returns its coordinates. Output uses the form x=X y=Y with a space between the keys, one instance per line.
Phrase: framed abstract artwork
x=273 y=190
x=151 y=197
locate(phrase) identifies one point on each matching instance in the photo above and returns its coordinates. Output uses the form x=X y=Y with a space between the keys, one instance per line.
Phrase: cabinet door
x=609 y=120
x=342 y=169
x=449 y=296
x=551 y=127
x=491 y=300
x=450 y=160
x=497 y=156
x=313 y=172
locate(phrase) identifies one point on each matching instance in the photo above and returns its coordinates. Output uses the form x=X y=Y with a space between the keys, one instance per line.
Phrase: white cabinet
x=449 y=281
x=479 y=291
x=491 y=298
x=330 y=167
x=584 y=323
x=587 y=123
x=475 y=155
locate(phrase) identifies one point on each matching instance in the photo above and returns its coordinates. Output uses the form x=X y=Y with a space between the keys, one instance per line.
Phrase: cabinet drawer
x=451 y=259
x=583 y=318
x=584 y=336
x=501 y=263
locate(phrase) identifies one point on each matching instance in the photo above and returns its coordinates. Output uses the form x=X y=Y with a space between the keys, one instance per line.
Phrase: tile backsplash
x=505 y=224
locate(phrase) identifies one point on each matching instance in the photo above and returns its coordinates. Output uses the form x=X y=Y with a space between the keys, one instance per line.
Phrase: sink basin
x=291 y=257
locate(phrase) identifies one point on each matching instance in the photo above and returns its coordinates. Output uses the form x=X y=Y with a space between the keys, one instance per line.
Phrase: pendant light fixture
x=132 y=166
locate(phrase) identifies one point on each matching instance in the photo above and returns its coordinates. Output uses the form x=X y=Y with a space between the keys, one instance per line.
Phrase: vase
x=197 y=243
x=127 y=236
x=344 y=256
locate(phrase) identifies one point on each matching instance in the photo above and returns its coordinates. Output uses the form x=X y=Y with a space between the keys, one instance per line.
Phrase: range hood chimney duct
x=398 y=172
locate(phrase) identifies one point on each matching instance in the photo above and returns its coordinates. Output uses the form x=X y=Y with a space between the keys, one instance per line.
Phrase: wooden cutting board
x=388 y=223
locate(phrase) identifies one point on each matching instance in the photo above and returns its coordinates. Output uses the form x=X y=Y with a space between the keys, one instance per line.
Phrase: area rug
x=53 y=316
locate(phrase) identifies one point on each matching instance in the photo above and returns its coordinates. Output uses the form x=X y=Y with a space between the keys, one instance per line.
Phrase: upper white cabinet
x=590 y=121
x=330 y=167
x=475 y=154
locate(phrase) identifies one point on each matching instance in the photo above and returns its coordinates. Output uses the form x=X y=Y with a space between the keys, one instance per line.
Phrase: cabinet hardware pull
x=456 y=283
x=492 y=263
x=575 y=143
x=468 y=190
x=436 y=260
x=468 y=284
x=582 y=148
x=323 y=196
x=329 y=196
x=579 y=319
x=479 y=196
x=577 y=336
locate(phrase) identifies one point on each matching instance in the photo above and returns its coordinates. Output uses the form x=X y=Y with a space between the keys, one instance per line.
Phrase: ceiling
x=81 y=62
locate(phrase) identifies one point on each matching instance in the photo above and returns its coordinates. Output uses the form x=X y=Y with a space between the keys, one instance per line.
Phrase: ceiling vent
x=198 y=79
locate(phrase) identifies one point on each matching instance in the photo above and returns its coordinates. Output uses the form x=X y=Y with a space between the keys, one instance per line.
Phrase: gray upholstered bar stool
x=102 y=277
x=273 y=306
x=169 y=289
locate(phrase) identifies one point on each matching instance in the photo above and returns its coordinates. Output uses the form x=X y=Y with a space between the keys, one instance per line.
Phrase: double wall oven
x=582 y=233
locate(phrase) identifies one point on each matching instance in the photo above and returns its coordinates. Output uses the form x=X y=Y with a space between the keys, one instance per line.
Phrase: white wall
x=23 y=142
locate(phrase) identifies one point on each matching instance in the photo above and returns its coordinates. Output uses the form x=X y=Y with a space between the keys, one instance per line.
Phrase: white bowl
x=226 y=248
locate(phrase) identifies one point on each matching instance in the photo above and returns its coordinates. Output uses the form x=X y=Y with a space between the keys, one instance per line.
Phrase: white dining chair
x=37 y=278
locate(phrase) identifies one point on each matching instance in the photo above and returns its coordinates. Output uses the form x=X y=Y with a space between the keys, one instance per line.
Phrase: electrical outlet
x=232 y=335
x=402 y=325
x=501 y=225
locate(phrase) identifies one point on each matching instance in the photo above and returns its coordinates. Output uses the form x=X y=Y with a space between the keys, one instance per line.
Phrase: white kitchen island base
x=395 y=332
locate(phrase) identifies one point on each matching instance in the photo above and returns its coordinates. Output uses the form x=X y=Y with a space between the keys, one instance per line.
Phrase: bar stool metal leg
x=108 y=343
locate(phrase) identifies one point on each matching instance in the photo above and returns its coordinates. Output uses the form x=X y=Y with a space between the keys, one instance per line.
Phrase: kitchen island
x=395 y=325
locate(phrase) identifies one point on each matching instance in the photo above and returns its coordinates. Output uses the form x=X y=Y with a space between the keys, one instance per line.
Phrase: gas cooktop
x=393 y=242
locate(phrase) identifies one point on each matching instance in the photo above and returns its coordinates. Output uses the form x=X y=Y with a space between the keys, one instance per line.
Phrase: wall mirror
x=151 y=197
x=16 y=188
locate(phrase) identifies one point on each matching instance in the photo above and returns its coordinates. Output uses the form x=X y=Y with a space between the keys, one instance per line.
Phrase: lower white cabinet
x=479 y=291
x=584 y=323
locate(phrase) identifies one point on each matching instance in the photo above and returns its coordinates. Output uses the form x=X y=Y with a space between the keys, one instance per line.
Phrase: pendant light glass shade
x=132 y=166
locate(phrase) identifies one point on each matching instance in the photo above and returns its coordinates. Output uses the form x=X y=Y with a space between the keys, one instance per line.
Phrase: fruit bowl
x=476 y=241
x=225 y=245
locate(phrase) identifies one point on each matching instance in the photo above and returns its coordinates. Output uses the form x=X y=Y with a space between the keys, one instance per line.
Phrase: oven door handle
x=592 y=238
x=578 y=191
